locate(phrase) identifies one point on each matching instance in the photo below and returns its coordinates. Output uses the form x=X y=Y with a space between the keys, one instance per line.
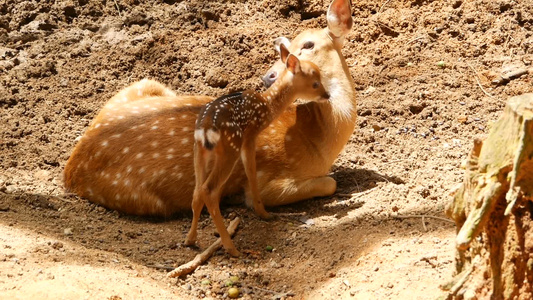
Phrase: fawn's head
x=303 y=77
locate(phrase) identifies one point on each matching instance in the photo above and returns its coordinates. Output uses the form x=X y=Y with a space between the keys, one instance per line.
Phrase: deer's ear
x=281 y=41
x=340 y=17
x=293 y=64
x=284 y=52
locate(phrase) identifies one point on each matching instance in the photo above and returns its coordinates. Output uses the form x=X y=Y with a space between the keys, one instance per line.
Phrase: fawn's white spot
x=120 y=117
x=172 y=132
x=170 y=150
x=115 y=182
x=171 y=119
x=212 y=136
x=97 y=125
x=184 y=141
x=116 y=136
x=266 y=147
x=260 y=174
x=117 y=197
x=135 y=196
x=126 y=150
x=139 y=155
x=141 y=170
x=199 y=135
x=184 y=116
x=155 y=155
x=170 y=156
x=154 y=144
x=187 y=154
x=185 y=128
x=127 y=182
x=159 y=203
x=105 y=143
x=154 y=127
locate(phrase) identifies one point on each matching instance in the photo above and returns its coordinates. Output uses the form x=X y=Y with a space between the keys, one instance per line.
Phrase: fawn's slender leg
x=199 y=195
x=248 y=160
x=222 y=169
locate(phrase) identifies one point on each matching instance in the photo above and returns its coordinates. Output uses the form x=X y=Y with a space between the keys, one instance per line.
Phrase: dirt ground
x=423 y=72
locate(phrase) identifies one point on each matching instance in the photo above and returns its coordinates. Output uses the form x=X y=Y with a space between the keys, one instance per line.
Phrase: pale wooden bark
x=493 y=211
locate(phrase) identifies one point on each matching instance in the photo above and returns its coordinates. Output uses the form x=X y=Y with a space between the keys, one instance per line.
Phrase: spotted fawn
x=228 y=127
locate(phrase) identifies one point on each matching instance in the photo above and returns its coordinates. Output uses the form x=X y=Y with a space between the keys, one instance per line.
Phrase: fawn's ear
x=293 y=64
x=281 y=41
x=340 y=18
x=284 y=52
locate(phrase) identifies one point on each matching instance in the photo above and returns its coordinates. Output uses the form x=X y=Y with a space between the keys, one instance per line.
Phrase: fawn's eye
x=316 y=85
x=308 y=45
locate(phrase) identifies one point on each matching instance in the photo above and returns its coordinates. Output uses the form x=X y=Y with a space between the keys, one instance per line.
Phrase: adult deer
x=126 y=162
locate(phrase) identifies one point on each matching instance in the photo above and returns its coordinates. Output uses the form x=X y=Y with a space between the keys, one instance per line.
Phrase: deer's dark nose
x=270 y=78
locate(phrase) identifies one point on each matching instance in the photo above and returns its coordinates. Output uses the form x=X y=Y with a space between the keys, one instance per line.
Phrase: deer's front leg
x=289 y=190
x=248 y=160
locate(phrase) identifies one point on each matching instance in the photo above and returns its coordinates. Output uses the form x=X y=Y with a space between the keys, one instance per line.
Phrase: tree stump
x=493 y=211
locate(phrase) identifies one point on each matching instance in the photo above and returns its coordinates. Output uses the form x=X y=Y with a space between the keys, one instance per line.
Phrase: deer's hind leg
x=201 y=159
x=284 y=191
x=222 y=169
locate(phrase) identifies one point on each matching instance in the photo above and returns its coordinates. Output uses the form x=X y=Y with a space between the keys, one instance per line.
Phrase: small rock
x=67 y=231
x=10 y=189
x=58 y=245
x=217 y=78
x=233 y=292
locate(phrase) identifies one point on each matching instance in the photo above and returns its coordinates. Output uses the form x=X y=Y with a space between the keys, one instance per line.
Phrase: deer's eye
x=308 y=45
x=316 y=85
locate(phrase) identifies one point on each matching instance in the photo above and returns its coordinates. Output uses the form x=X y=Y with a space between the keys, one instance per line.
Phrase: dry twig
x=357 y=195
x=477 y=79
x=382 y=6
x=118 y=8
x=511 y=75
x=204 y=256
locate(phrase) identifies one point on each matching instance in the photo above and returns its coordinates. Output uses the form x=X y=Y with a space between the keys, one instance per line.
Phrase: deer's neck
x=278 y=97
x=339 y=84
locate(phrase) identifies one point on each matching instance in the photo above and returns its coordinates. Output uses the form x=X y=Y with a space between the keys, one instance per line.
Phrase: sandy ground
x=423 y=72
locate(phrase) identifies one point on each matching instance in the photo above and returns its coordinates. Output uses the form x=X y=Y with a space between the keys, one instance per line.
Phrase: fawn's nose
x=270 y=78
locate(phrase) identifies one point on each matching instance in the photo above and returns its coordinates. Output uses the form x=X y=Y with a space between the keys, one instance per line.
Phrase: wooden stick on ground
x=204 y=256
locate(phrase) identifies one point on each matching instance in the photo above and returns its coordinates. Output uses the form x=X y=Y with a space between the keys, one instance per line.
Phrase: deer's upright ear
x=340 y=18
x=281 y=41
x=284 y=52
x=293 y=64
